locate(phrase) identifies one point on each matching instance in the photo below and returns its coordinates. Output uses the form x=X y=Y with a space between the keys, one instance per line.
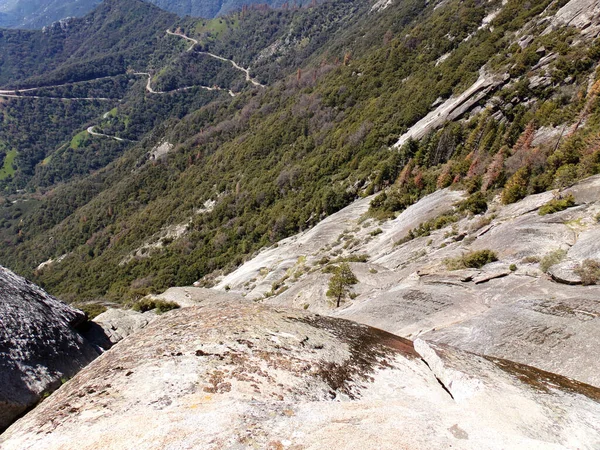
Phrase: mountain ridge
x=36 y=14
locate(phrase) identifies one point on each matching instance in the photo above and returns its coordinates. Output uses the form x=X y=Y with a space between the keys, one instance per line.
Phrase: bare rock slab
x=245 y=375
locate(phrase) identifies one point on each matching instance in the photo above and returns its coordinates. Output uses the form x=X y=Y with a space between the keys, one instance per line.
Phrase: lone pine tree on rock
x=340 y=282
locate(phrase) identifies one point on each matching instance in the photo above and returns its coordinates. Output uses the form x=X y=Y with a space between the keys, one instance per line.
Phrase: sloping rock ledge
x=245 y=375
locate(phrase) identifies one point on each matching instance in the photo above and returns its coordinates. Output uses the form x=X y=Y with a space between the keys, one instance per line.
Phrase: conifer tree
x=340 y=282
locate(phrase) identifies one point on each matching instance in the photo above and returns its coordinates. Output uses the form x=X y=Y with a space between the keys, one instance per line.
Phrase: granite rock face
x=244 y=375
x=582 y=14
x=39 y=344
x=545 y=319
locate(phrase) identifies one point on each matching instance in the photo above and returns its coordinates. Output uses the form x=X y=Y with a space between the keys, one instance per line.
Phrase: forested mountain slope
x=90 y=66
x=36 y=14
x=345 y=80
x=116 y=35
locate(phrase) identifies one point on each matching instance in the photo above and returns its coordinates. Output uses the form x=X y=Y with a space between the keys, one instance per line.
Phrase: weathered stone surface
x=115 y=325
x=39 y=344
x=452 y=108
x=245 y=375
x=586 y=247
x=563 y=272
x=586 y=191
x=548 y=135
x=193 y=296
x=552 y=327
x=408 y=290
x=582 y=14
x=527 y=235
x=257 y=275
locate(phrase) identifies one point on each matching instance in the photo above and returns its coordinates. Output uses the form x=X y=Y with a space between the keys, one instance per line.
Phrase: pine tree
x=516 y=187
x=340 y=283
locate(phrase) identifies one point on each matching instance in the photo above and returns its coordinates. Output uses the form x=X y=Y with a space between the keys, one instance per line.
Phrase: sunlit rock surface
x=241 y=375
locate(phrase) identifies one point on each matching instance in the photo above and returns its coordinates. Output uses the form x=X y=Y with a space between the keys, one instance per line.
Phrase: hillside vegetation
x=344 y=82
x=35 y=14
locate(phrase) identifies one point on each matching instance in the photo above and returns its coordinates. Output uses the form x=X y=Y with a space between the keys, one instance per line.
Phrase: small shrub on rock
x=148 y=304
x=556 y=205
x=551 y=259
x=479 y=258
x=324 y=260
x=475 y=204
x=376 y=232
x=362 y=258
x=92 y=309
x=425 y=228
x=472 y=260
x=589 y=272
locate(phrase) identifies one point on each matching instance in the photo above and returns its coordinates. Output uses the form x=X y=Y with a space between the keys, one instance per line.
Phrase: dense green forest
x=344 y=82
x=113 y=37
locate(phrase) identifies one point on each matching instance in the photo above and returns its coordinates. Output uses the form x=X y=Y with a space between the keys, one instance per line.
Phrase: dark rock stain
x=370 y=348
x=545 y=381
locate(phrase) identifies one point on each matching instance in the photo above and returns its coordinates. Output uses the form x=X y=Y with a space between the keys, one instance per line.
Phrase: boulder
x=114 y=325
x=244 y=375
x=40 y=346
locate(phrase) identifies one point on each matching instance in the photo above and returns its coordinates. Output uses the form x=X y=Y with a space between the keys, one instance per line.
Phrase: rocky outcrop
x=453 y=108
x=40 y=346
x=194 y=296
x=582 y=14
x=244 y=375
x=114 y=325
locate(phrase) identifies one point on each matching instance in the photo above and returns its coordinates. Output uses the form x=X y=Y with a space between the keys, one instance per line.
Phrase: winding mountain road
x=233 y=63
x=237 y=66
x=193 y=41
x=91 y=131
x=15 y=93
x=208 y=88
x=5 y=95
